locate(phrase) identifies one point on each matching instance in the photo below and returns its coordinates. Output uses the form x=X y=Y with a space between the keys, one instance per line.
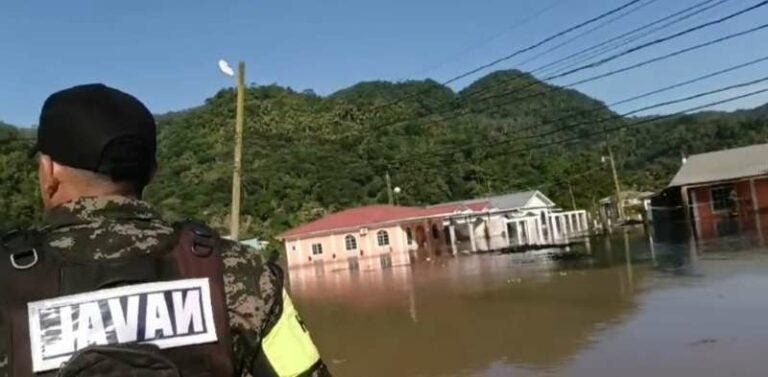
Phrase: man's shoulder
x=239 y=258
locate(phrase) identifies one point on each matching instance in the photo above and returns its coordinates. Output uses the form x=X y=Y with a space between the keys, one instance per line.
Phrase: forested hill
x=306 y=155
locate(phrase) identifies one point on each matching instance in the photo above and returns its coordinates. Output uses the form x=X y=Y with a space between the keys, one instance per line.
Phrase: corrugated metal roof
x=723 y=165
x=384 y=214
x=509 y=201
x=376 y=215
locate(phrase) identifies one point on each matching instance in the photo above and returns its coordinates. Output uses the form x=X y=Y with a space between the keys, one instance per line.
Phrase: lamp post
x=397 y=192
x=234 y=227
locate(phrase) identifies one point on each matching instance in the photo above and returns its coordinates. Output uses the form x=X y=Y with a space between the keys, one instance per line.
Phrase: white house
x=515 y=219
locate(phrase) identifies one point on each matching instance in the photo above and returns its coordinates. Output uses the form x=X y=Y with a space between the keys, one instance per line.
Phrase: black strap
x=113 y=273
x=21 y=249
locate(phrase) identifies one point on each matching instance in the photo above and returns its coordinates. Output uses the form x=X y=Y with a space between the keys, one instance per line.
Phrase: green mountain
x=306 y=155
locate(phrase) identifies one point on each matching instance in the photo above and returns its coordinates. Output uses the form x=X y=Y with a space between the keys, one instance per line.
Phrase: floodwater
x=624 y=305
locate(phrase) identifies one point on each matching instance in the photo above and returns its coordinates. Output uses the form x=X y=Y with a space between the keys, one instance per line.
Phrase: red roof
x=374 y=215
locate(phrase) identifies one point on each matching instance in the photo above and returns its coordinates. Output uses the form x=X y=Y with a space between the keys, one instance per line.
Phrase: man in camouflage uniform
x=94 y=211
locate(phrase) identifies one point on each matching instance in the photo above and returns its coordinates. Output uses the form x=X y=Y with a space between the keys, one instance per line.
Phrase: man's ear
x=48 y=180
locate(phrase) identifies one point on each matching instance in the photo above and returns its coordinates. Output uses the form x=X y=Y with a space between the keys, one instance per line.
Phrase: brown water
x=626 y=307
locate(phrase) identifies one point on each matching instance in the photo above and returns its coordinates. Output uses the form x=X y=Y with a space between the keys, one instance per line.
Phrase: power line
x=672 y=86
x=627 y=37
x=542 y=42
x=615 y=117
x=516 y=53
x=399 y=166
x=634 y=124
x=670 y=55
x=622 y=42
x=588 y=31
x=654 y=92
x=589 y=79
x=648 y=94
x=660 y=40
x=647 y=121
x=484 y=42
x=614 y=57
x=640 y=110
x=691 y=81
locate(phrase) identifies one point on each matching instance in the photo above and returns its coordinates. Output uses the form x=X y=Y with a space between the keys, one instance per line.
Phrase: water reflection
x=525 y=314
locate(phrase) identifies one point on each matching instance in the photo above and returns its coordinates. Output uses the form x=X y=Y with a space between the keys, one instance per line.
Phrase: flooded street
x=621 y=306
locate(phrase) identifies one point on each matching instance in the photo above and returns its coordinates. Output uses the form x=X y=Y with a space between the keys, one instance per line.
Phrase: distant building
x=371 y=231
x=255 y=244
x=724 y=192
x=634 y=203
x=516 y=219
x=395 y=234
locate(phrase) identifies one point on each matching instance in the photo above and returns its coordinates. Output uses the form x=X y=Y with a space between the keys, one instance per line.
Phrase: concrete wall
x=299 y=252
x=424 y=244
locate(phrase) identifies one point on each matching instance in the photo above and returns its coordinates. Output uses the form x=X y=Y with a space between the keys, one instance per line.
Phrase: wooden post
x=687 y=211
x=619 y=204
x=573 y=200
x=234 y=227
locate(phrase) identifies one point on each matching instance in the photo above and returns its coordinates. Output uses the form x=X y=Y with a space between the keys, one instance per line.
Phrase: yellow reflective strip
x=288 y=346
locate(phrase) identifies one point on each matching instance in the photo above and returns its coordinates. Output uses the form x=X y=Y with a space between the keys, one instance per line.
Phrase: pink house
x=372 y=232
x=392 y=235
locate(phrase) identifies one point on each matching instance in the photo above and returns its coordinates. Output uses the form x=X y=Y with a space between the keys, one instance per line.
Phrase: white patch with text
x=168 y=314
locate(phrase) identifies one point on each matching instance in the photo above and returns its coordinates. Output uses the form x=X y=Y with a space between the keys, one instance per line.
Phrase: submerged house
x=516 y=219
x=381 y=231
x=394 y=235
x=634 y=203
x=723 y=192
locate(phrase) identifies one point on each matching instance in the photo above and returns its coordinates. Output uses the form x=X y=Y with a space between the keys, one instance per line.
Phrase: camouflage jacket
x=115 y=227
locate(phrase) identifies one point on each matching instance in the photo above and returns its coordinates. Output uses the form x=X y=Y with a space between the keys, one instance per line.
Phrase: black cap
x=101 y=129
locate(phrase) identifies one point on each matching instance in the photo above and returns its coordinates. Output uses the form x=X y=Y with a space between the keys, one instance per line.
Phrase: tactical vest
x=31 y=272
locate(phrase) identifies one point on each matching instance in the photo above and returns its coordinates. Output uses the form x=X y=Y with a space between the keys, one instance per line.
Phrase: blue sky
x=165 y=52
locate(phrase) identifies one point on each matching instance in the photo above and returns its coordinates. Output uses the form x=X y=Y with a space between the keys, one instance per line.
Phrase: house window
x=722 y=198
x=383 y=237
x=350 y=242
x=409 y=235
x=317 y=249
x=435 y=232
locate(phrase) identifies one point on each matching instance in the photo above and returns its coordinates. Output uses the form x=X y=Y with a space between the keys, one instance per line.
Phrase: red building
x=726 y=191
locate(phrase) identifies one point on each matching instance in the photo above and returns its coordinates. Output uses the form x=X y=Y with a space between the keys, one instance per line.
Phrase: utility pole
x=573 y=200
x=390 y=196
x=234 y=228
x=619 y=204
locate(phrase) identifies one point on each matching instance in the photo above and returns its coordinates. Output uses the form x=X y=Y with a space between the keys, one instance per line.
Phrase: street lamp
x=234 y=227
x=397 y=191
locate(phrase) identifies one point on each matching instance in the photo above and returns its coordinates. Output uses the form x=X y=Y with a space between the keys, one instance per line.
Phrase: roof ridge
x=729 y=150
